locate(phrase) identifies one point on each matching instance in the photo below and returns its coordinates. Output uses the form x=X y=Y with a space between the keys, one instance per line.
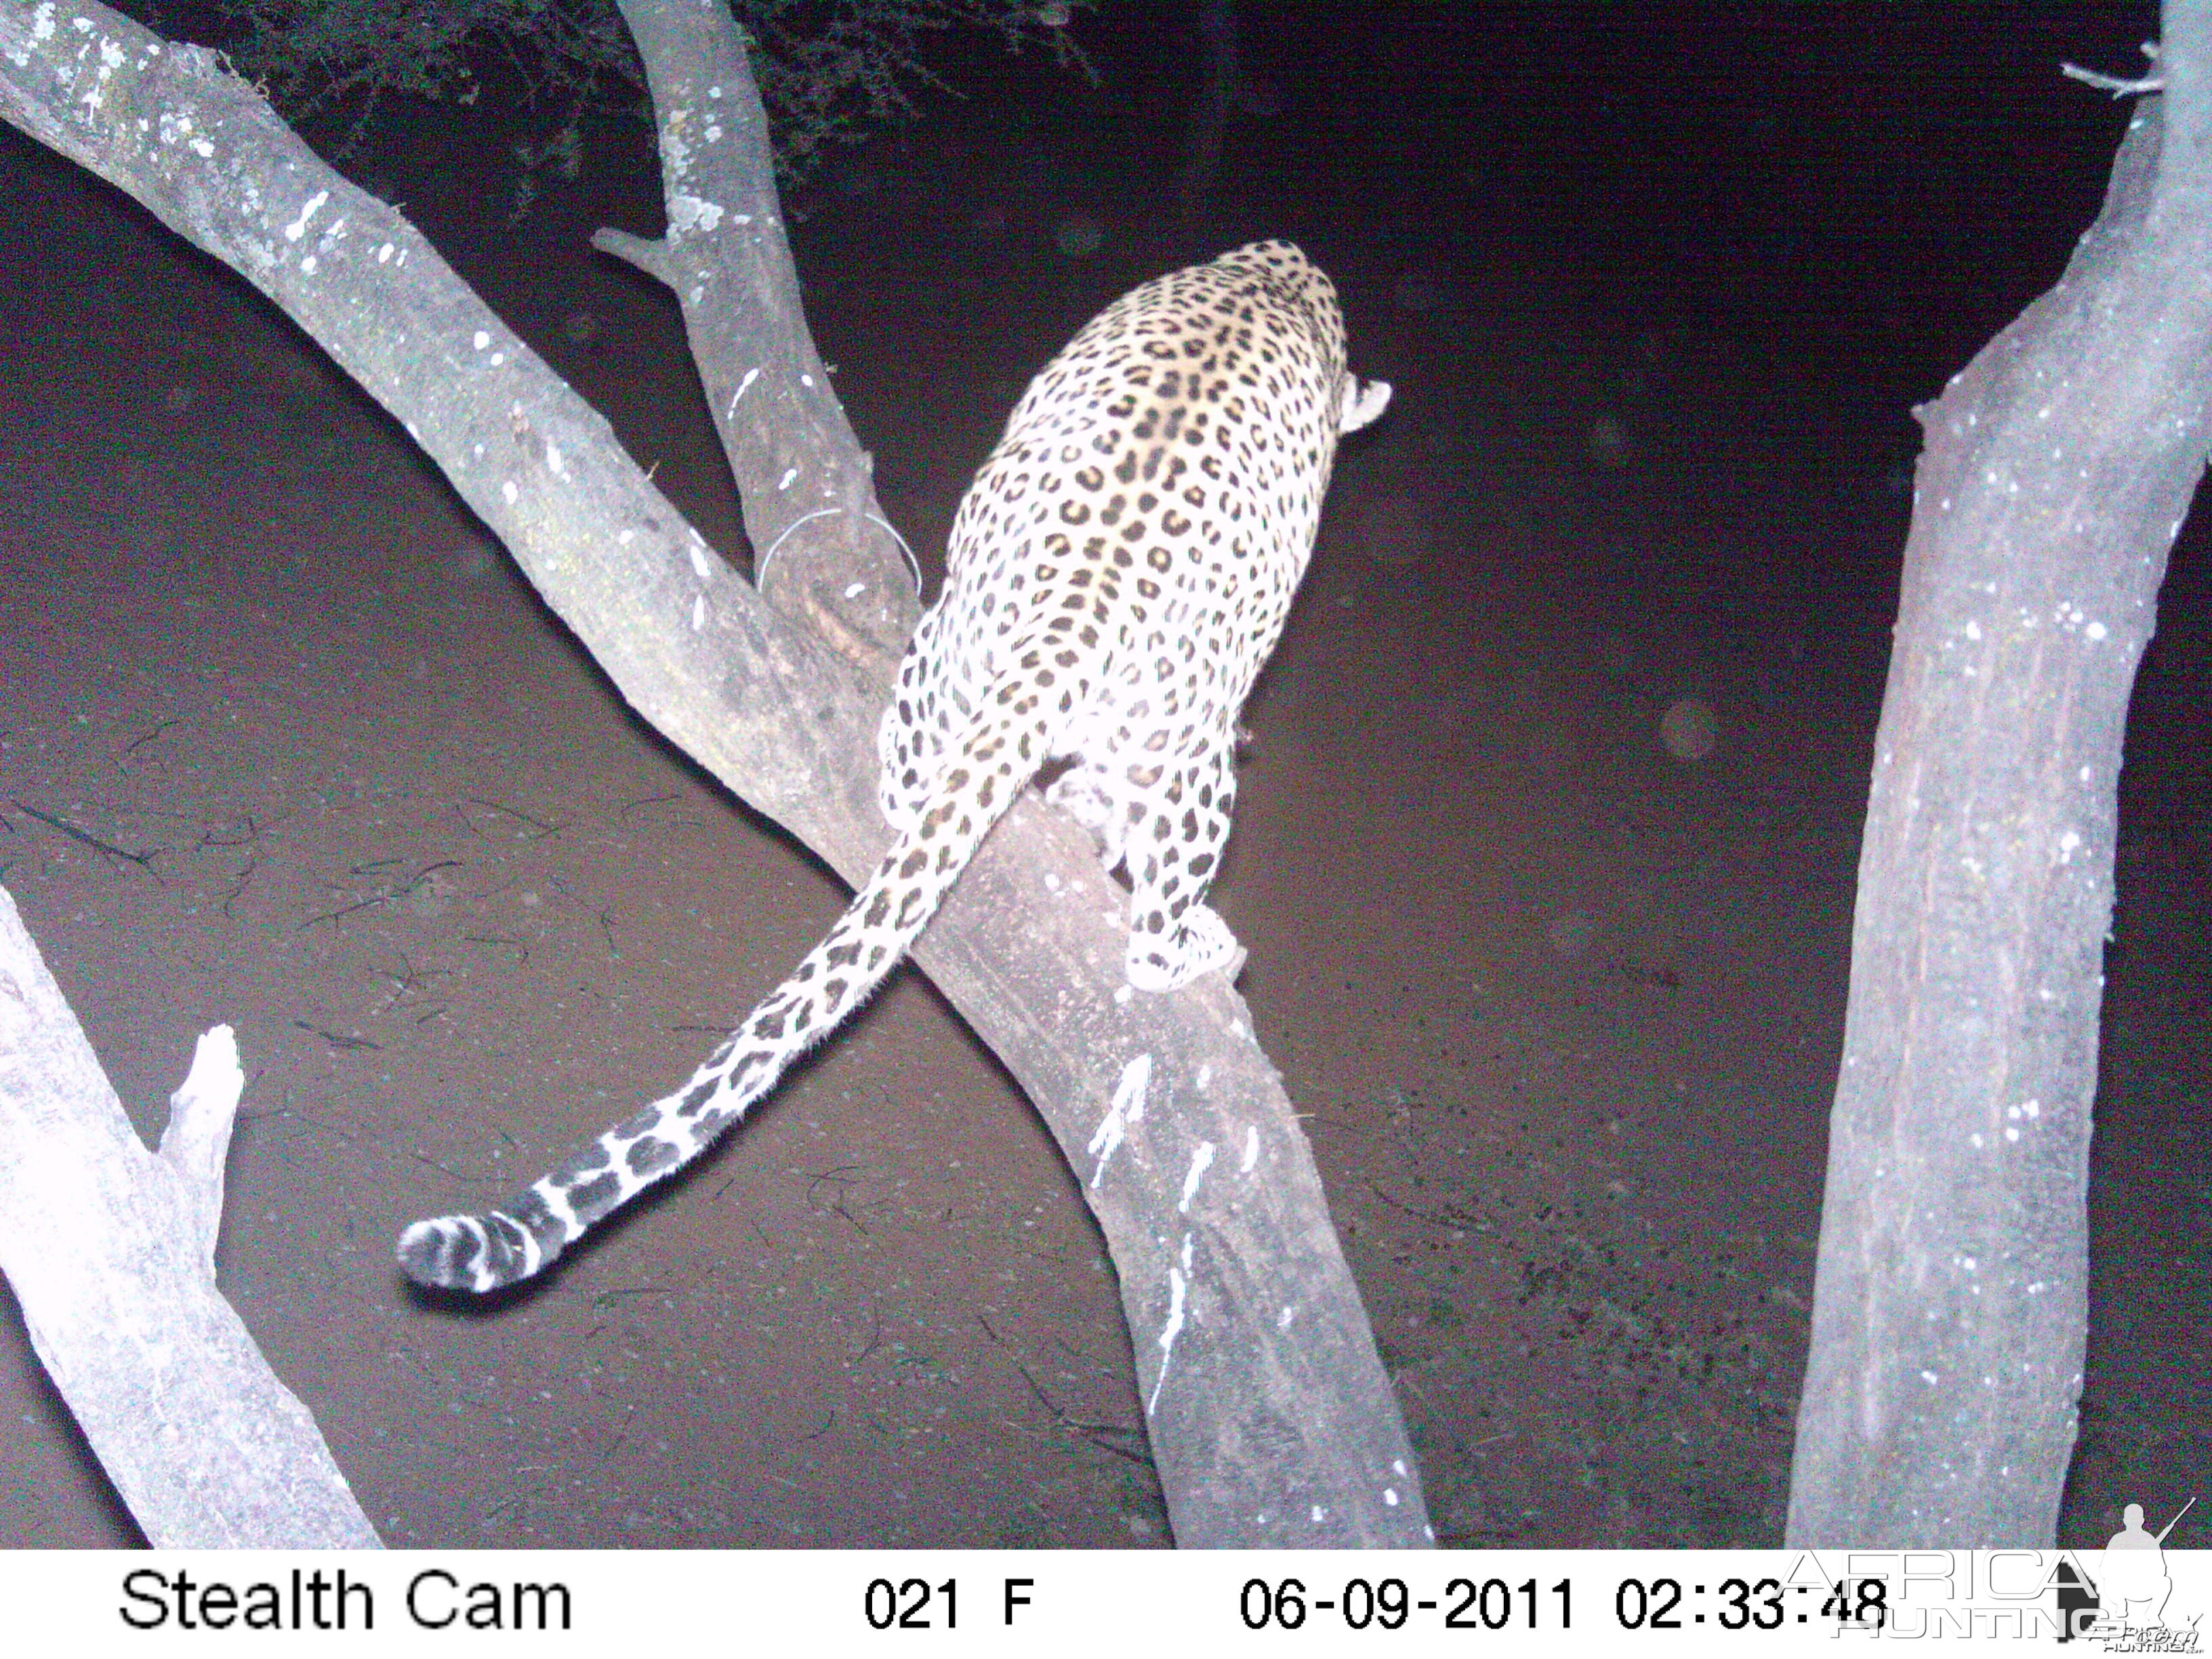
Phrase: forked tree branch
x=110 y=1251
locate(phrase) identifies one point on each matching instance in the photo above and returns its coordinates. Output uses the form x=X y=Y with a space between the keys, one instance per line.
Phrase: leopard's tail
x=998 y=757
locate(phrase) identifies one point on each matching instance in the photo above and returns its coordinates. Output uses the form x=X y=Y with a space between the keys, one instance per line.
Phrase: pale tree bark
x=109 y=1251
x=1271 y=1420
x=1951 y=1302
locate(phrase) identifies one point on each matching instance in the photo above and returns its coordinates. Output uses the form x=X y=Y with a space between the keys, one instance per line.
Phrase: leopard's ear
x=1363 y=400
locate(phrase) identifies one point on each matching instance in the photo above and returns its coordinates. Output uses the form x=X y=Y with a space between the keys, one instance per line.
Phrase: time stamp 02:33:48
x=1496 y=1604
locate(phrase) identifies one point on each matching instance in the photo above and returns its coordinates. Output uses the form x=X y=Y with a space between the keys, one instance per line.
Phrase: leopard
x=1116 y=576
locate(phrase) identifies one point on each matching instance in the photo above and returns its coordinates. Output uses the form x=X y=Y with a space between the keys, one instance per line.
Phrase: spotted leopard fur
x=1118 y=573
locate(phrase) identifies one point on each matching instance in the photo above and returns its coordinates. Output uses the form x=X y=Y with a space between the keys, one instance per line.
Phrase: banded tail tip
x=478 y=1253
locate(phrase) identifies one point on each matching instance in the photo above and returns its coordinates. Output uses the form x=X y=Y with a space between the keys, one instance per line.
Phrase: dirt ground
x=1564 y=1008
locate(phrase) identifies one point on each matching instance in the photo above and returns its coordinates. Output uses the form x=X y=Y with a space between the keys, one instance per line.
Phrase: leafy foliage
x=827 y=69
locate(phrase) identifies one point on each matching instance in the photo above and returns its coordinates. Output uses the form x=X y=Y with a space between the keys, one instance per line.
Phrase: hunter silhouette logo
x=2120 y=1599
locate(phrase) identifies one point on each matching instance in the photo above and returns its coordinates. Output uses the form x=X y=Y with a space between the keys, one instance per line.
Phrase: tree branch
x=109 y=1251
x=1951 y=1295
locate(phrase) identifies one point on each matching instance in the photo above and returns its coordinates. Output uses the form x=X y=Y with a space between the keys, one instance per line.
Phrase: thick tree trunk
x=1950 y=1307
x=1271 y=1420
